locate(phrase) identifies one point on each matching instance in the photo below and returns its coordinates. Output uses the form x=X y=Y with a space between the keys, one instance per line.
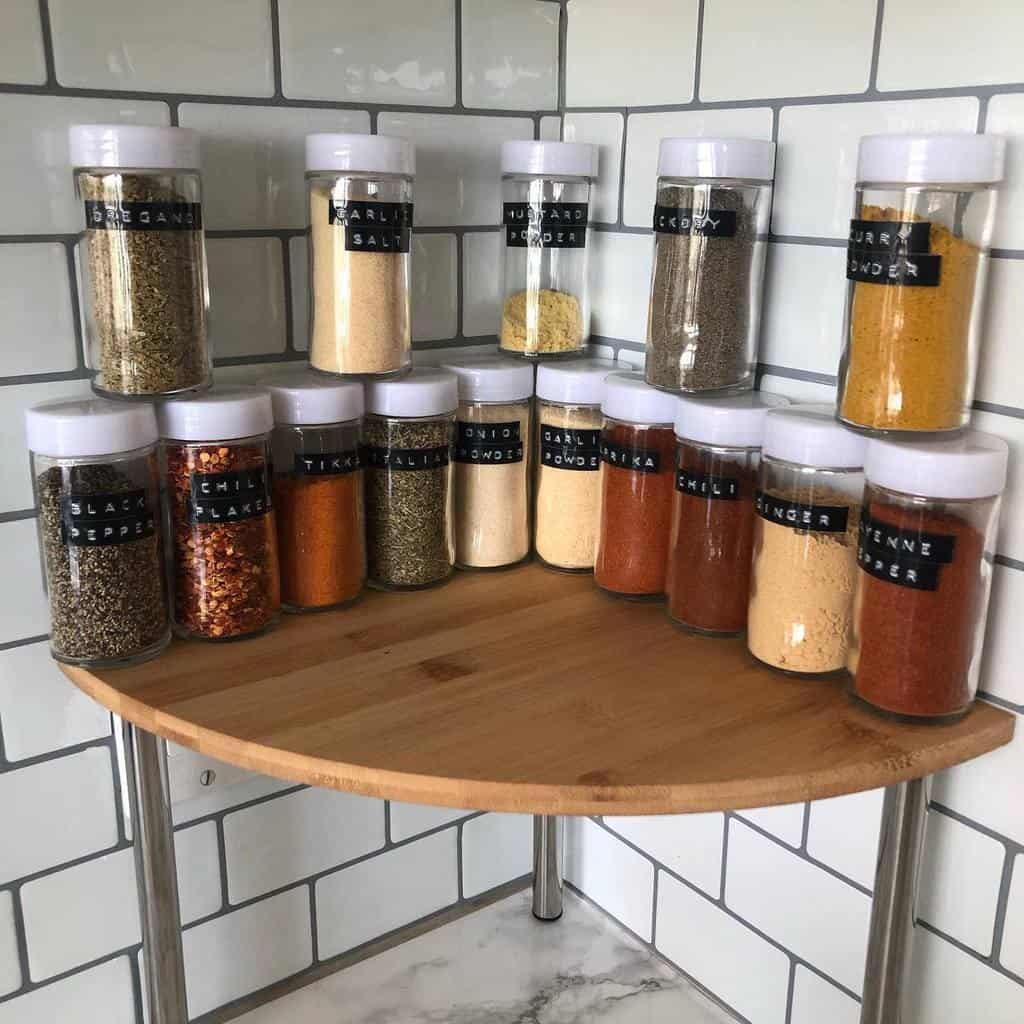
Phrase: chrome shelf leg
x=548 y=852
x=891 y=938
x=145 y=779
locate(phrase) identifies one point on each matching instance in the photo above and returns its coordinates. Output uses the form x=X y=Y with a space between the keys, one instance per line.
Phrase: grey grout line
x=387 y=823
x=988 y=961
x=222 y=860
x=20 y=939
x=137 y=988
x=1002 y=702
x=314 y=923
x=18 y=514
x=805 y=829
x=46 y=30
x=275 y=47
x=1011 y=844
x=458 y=54
x=459 y=862
x=76 y=308
x=1002 y=905
x=654 y=908
x=75 y=862
x=1007 y=254
x=10 y=645
x=563 y=40
x=876 y=46
x=725 y=854
x=69 y=751
x=698 y=50
x=289 y=298
x=1009 y=563
x=790 y=991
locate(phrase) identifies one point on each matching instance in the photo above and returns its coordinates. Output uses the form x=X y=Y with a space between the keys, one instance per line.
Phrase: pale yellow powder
x=550 y=321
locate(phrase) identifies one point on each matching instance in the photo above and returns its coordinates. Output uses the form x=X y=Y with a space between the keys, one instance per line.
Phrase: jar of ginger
x=360 y=228
x=916 y=262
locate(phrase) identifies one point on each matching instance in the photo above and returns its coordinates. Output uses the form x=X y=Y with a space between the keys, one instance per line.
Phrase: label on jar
x=546 y=225
x=436 y=457
x=908 y=558
x=135 y=216
x=566 y=448
x=813 y=518
x=684 y=220
x=98 y=520
x=372 y=227
x=639 y=460
x=892 y=252
x=491 y=444
x=707 y=485
x=327 y=463
x=228 y=497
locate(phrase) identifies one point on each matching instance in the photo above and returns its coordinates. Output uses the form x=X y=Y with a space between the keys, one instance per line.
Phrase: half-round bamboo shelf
x=525 y=691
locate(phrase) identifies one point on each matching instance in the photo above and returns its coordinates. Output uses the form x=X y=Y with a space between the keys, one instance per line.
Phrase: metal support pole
x=891 y=938
x=145 y=779
x=547 y=867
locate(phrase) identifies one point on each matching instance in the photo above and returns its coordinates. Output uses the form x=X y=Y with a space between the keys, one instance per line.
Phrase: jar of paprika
x=927 y=538
x=637 y=449
x=318 y=491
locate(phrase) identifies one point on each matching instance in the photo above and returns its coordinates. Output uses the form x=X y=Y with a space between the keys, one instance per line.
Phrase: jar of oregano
x=143 y=258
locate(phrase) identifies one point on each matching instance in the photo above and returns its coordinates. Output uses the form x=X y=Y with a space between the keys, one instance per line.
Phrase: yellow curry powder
x=907 y=359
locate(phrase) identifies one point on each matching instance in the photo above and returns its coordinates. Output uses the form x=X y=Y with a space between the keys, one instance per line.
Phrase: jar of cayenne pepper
x=927 y=535
x=318 y=490
x=215 y=455
x=637 y=448
x=717 y=454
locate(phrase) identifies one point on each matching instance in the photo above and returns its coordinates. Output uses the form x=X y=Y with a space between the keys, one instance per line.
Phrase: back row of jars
x=919 y=238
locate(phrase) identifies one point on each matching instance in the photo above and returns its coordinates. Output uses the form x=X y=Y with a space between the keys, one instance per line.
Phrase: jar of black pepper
x=94 y=472
x=710 y=236
x=408 y=438
x=143 y=258
x=215 y=458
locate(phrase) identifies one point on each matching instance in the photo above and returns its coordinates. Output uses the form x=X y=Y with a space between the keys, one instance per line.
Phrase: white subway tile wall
x=253 y=78
x=815 y=1000
x=1013 y=935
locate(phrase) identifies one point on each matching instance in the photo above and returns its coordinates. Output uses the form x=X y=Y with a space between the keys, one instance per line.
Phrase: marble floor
x=499 y=966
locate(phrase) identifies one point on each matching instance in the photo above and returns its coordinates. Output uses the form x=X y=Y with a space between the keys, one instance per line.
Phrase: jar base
x=187 y=634
x=747 y=384
x=901 y=716
x=336 y=375
x=901 y=434
x=313 y=609
x=711 y=634
x=622 y=595
x=384 y=585
x=543 y=357
x=148 y=654
x=466 y=567
x=793 y=673
x=149 y=396
x=571 y=570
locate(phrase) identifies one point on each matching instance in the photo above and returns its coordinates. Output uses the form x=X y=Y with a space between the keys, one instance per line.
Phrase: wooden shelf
x=525 y=691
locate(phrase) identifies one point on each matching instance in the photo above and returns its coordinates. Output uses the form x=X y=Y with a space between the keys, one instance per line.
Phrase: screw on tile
x=207 y=777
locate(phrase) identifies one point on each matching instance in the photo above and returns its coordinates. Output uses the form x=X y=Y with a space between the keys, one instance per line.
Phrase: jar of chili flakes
x=637 y=447
x=215 y=455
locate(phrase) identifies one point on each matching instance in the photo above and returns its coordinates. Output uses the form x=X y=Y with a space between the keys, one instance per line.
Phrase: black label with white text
x=639 y=460
x=327 y=463
x=489 y=444
x=684 y=220
x=908 y=558
x=229 y=497
x=892 y=252
x=707 y=485
x=411 y=459
x=98 y=520
x=567 y=448
x=795 y=514
x=134 y=216
x=546 y=225
x=373 y=227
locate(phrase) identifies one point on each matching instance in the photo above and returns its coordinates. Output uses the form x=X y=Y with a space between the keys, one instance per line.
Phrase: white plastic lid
x=732 y=421
x=549 y=159
x=492 y=379
x=133 y=145
x=717 y=158
x=627 y=397
x=575 y=381
x=383 y=154
x=810 y=436
x=86 y=427
x=302 y=398
x=425 y=391
x=972 y=465
x=219 y=415
x=924 y=159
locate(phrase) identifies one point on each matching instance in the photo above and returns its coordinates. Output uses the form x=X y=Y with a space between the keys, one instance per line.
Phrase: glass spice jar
x=637 y=448
x=805 y=541
x=408 y=434
x=143 y=258
x=927 y=540
x=96 y=487
x=711 y=213
x=215 y=457
x=917 y=260
x=318 y=490
x=492 y=446
x=546 y=202
x=360 y=214
x=567 y=456
x=712 y=533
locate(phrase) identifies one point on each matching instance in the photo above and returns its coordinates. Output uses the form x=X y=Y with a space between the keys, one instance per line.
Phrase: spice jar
x=143 y=258
x=215 y=454
x=96 y=487
x=492 y=445
x=360 y=216
x=916 y=265
x=712 y=535
x=805 y=541
x=318 y=491
x=711 y=215
x=637 y=448
x=927 y=541
x=408 y=437
x=546 y=192
x=567 y=490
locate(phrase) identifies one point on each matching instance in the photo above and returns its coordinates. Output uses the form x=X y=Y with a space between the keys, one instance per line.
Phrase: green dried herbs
x=409 y=535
